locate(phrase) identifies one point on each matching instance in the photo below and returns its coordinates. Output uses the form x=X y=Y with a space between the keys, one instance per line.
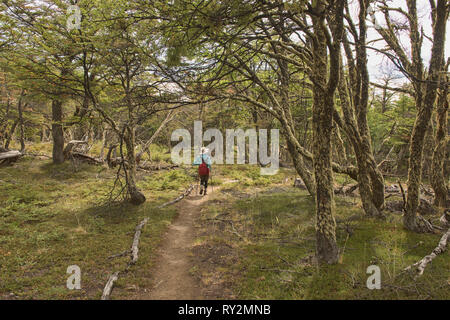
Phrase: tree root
x=421 y=265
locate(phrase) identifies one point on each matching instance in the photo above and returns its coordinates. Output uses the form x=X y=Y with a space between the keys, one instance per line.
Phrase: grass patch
x=274 y=233
x=52 y=217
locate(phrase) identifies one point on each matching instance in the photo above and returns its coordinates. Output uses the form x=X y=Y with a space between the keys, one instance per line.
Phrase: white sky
x=377 y=62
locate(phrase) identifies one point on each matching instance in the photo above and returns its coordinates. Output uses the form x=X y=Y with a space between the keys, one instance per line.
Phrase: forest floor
x=253 y=239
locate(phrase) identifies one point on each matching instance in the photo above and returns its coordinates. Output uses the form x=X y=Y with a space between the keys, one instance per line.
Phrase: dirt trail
x=171 y=272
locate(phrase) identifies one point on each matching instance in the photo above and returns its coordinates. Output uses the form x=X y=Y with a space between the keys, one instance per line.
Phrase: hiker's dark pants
x=204 y=181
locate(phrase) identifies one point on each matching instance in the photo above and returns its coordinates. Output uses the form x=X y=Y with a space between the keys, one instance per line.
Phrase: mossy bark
x=437 y=167
x=135 y=195
x=364 y=157
x=354 y=103
x=326 y=246
x=322 y=124
x=425 y=109
x=57 y=132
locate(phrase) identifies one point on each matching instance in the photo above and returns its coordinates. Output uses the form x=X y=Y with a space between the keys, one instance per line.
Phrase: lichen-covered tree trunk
x=57 y=132
x=81 y=129
x=326 y=246
x=135 y=195
x=364 y=157
x=422 y=121
x=354 y=104
x=11 y=133
x=365 y=191
x=21 y=122
x=339 y=149
x=415 y=169
x=437 y=168
x=375 y=175
x=322 y=124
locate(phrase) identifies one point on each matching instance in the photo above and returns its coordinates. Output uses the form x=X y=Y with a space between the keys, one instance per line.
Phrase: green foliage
x=398 y=118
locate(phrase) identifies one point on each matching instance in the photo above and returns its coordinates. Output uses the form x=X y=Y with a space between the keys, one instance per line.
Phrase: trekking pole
x=212 y=185
x=198 y=184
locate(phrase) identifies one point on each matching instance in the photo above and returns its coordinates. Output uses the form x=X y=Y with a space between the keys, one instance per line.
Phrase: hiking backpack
x=203 y=169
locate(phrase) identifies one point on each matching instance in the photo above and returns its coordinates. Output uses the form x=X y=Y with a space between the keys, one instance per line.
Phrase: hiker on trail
x=203 y=161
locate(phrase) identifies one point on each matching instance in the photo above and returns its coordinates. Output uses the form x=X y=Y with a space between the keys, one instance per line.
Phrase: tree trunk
x=437 y=169
x=421 y=124
x=136 y=197
x=326 y=246
x=361 y=148
x=339 y=149
x=376 y=177
x=11 y=133
x=323 y=109
x=355 y=117
x=104 y=143
x=22 y=133
x=57 y=132
x=4 y=123
x=170 y=115
x=81 y=128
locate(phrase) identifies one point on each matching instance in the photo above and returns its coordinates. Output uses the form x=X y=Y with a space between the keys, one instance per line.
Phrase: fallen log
x=41 y=155
x=109 y=285
x=185 y=194
x=169 y=117
x=421 y=264
x=113 y=162
x=9 y=157
x=157 y=167
x=68 y=149
x=86 y=158
x=135 y=245
x=424 y=207
x=10 y=154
